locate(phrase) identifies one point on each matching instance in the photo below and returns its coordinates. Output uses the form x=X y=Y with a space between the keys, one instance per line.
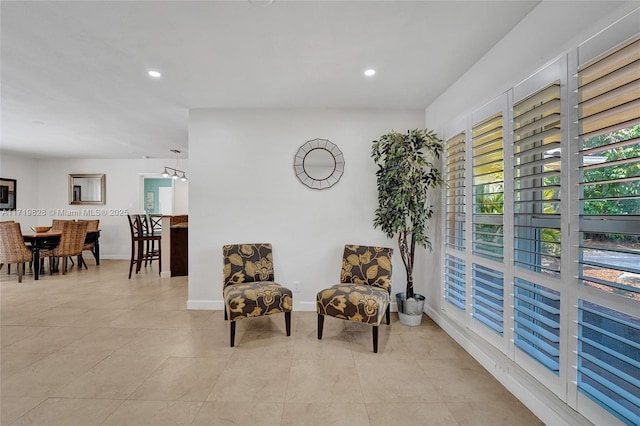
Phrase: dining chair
x=9 y=265
x=92 y=226
x=71 y=243
x=249 y=287
x=12 y=247
x=56 y=226
x=363 y=294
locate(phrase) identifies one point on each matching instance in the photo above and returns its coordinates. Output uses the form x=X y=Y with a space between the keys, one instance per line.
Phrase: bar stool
x=143 y=244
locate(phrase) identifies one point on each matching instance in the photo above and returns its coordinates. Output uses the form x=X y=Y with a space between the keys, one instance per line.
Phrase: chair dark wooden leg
x=287 y=322
x=146 y=255
x=140 y=256
x=133 y=251
x=233 y=333
x=388 y=314
x=131 y=261
x=226 y=316
x=20 y=272
x=320 y=325
x=375 y=339
x=159 y=258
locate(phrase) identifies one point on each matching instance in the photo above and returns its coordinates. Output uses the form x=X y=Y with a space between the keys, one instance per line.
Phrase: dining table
x=50 y=239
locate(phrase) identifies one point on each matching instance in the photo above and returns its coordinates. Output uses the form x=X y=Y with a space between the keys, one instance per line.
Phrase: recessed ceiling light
x=370 y=72
x=155 y=74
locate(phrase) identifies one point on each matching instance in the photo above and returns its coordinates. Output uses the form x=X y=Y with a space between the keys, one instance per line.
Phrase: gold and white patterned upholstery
x=249 y=286
x=363 y=292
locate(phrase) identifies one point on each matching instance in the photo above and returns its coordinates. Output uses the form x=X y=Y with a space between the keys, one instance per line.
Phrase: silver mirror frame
x=318 y=182
x=103 y=189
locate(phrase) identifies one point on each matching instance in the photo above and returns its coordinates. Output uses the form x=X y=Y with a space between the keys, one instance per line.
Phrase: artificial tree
x=404 y=176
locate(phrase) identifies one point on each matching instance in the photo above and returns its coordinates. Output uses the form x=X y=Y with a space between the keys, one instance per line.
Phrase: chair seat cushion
x=257 y=298
x=354 y=302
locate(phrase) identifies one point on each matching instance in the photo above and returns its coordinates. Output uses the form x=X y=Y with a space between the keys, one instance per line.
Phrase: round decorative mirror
x=319 y=164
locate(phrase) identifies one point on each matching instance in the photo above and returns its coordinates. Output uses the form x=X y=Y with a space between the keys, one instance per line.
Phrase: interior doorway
x=158 y=195
x=163 y=196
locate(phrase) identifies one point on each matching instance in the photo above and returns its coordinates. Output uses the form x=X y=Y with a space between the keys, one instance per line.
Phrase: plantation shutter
x=608 y=364
x=609 y=122
x=488 y=188
x=537 y=155
x=537 y=322
x=454 y=176
x=454 y=281
x=488 y=297
x=609 y=149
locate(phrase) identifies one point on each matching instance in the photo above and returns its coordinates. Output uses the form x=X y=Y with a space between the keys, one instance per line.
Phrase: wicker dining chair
x=92 y=226
x=71 y=244
x=56 y=226
x=12 y=247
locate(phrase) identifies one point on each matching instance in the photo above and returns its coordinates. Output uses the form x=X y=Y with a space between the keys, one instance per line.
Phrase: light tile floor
x=94 y=348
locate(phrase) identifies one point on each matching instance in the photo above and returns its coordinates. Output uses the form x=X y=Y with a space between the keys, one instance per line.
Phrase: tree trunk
x=406 y=253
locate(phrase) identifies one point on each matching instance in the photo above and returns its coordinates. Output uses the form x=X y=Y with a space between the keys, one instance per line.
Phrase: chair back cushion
x=367 y=265
x=245 y=263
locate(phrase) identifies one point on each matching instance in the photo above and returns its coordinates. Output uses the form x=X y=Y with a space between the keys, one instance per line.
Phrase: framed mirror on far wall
x=87 y=188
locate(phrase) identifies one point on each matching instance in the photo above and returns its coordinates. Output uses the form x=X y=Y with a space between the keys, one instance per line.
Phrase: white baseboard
x=113 y=257
x=165 y=274
x=205 y=305
x=304 y=306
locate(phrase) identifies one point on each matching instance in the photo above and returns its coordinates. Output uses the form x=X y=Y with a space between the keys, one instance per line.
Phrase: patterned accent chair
x=363 y=292
x=249 y=287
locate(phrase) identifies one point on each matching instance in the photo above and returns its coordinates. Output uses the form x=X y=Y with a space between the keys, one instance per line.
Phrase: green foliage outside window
x=607 y=197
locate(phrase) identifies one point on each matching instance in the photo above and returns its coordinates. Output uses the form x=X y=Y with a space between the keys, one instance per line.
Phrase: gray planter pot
x=410 y=310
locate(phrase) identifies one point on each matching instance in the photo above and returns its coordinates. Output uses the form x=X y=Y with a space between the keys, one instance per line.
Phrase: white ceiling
x=74 y=74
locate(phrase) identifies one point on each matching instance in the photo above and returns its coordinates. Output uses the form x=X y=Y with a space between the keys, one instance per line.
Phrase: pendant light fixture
x=167 y=169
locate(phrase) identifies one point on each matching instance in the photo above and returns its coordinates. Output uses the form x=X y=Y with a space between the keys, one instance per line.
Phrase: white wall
x=25 y=172
x=243 y=189
x=123 y=189
x=180 y=197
